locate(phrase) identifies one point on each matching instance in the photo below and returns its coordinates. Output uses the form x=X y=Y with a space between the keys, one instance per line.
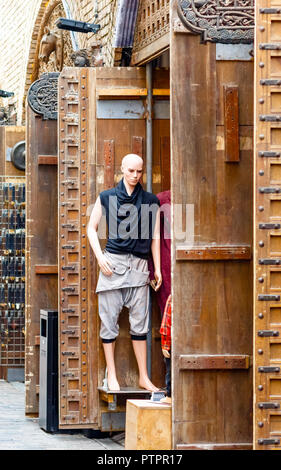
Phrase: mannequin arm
x=94 y=239
x=155 y=250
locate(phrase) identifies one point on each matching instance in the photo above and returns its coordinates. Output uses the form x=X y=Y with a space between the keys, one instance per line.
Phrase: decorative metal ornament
x=224 y=21
x=18 y=155
x=43 y=95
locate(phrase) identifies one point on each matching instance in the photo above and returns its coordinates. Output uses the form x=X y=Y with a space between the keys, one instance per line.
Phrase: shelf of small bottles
x=12 y=270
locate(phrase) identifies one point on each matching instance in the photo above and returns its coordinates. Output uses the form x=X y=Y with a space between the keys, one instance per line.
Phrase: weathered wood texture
x=148 y=425
x=267 y=234
x=96 y=146
x=212 y=299
x=41 y=243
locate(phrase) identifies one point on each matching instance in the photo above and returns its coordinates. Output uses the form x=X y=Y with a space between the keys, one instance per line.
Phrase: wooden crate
x=148 y=425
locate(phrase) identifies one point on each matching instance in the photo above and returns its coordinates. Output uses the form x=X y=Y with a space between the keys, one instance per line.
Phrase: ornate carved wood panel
x=226 y=21
x=267 y=226
x=153 y=26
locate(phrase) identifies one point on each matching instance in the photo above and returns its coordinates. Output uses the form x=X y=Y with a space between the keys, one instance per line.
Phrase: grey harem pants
x=128 y=286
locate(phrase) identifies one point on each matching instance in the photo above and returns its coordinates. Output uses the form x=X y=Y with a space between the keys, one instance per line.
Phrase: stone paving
x=20 y=433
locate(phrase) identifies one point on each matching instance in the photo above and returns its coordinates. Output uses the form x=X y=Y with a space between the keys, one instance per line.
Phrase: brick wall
x=16 y=24
x=19 y=26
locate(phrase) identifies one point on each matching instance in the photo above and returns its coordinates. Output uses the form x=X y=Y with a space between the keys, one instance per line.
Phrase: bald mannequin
x=132 y=169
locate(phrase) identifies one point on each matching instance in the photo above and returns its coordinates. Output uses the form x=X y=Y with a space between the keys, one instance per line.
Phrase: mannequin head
x=132 y=168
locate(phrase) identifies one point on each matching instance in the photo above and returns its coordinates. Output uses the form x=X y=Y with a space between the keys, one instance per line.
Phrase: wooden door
x=267 y=228
x=211 y=171
x=101 y=119
x=41 y=236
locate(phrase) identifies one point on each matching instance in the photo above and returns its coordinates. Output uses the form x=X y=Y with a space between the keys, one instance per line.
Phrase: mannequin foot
x=145 y=383
x=112 y=383
x=167 y=400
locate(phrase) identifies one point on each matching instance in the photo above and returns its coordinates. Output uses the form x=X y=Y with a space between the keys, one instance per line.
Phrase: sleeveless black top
x=130 y=219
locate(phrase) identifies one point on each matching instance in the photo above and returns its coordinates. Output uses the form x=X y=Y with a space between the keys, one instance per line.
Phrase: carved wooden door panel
x=101 y=119
x=211 y=164
x=267 y=228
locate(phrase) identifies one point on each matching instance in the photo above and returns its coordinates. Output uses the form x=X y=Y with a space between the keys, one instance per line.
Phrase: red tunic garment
x=165 y=329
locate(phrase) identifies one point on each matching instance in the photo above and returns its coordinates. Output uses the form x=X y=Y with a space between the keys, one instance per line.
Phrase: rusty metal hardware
x=269 y=154
x=268 y=405
x=68 y=332
x=268 y=297
x=68 y=374
x=270 y=47
x=68 y=353
x=68 y=182
x=68 y=289
x=270 y=117
x=213 y=361
x=268 y=442
x=266 y=333
x=268 y=369
x=68 y=268
x=270 y=11
x=269 y=190
x=270 y=81
x=68 y=310
x=210 y=252
x=269 y=226
x=269 y=261
x=68 y=247
x=68 y=226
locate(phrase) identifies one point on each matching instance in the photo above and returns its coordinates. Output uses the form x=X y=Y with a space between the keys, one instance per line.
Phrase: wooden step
x=148 y=425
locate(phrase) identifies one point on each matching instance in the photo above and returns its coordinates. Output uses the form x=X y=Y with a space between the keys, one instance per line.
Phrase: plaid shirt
x=165 y=329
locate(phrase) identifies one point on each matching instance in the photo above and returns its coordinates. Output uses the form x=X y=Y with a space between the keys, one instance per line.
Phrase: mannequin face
x=132 y=168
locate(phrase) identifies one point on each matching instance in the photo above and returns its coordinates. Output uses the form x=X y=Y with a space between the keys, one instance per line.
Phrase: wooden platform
x=148 y=425
x=110 y=396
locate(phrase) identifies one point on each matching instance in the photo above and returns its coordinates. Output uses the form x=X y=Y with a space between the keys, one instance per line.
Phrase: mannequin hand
x=104 y=265
x=166 y=353
x=158 y=279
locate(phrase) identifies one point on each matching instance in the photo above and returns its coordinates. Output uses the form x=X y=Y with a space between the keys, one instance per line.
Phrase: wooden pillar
x=211 y=274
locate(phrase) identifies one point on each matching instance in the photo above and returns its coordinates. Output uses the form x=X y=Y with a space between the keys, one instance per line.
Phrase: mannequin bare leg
x=111 y=371
x=140 y=353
